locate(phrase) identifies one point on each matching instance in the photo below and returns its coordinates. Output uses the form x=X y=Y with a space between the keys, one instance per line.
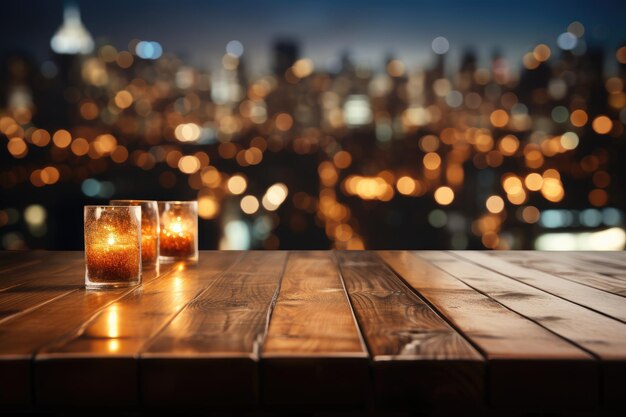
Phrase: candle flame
x=176 y=227
x=111 y=240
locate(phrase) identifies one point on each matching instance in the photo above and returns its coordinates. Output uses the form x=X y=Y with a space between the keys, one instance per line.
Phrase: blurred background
x=319 y=124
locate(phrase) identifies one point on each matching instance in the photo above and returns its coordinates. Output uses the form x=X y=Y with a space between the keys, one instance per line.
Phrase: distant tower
x=468 y=68
x=622 y=63
x=71 y=38
x=347 y=66
x=286 y=52
x=71 y=45
x=499 y=67
x=468 y=62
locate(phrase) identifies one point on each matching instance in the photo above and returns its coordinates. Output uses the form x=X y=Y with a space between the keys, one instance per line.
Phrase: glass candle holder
x=179 y=231
x=149 y=229
x=112 y=246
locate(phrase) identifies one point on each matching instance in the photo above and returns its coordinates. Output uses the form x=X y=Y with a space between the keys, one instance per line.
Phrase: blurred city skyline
x=289 y=136
x=198 y=31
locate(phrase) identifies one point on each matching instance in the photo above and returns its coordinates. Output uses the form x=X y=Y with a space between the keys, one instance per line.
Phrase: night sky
x=197 y=31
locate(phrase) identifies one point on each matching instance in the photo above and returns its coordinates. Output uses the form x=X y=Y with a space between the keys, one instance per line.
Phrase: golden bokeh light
x=17 y=147
x=541 y=52
x=284 y=122
x=342 y=159
x=62 y=138
x=531 y=214
x=123 y=99
x=579 y=118
x=432 y=161
x=50 y=175
x=508 y=145
x=569 y=140
x=208 y=207
x=444 y=195
x=124 y=59
x=499 y=118
x=598 y=197
x=512 y=184
x=189 y=164
x=429 y=143
x=40 y=137
x=303 y=68
x=395 y=68
x=237 y=184
x=187 y=132
x=211 y=177
x=249 y=204
x=276 y=194
x=495 y=204
x=552 y=189
x=405 y=185
x=530 y=61
x=79 y=146
x=602 y=125
x=369 y=188
x=533 y=181
x=119 y=154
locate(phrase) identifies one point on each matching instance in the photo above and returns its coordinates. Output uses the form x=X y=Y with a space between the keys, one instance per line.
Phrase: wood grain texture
x=406 y=338
x=9 y=266
x=596 y=333
x=281 y=332
x=606 y=303
x=40 y=287
x=41 y=266
x=313 y=353
x=219 y=333
x=591 y=261
x=560 y=267
x=99 y=362
x=611 y=258
x=22 y=336
x=10 y=260
x=521 y=354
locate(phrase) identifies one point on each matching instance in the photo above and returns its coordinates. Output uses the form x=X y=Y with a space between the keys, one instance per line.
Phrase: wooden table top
x=356 y=330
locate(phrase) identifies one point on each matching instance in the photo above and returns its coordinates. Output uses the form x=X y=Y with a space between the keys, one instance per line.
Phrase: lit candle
x=179 y=230
x=112 y=246
x=149 y=229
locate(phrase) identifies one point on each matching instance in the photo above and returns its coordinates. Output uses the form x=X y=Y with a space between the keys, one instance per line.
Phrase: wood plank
x=11 y=265
x=600 y=335
x=23 y=335
x=419 y=361
x=98 y=364
x=218 y=333
x=10 y=259
x=584 y=260
x=606 y=303
x=313 y=354
x=616 y=259
x=41 y=288
x=556 y=265
x=528 y=365
x=40 y=265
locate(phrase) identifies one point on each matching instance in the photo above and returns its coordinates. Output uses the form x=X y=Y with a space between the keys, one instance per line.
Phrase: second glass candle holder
x=149 y=229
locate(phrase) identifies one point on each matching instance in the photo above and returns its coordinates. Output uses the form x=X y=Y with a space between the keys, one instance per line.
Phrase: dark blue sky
x=199 y=30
